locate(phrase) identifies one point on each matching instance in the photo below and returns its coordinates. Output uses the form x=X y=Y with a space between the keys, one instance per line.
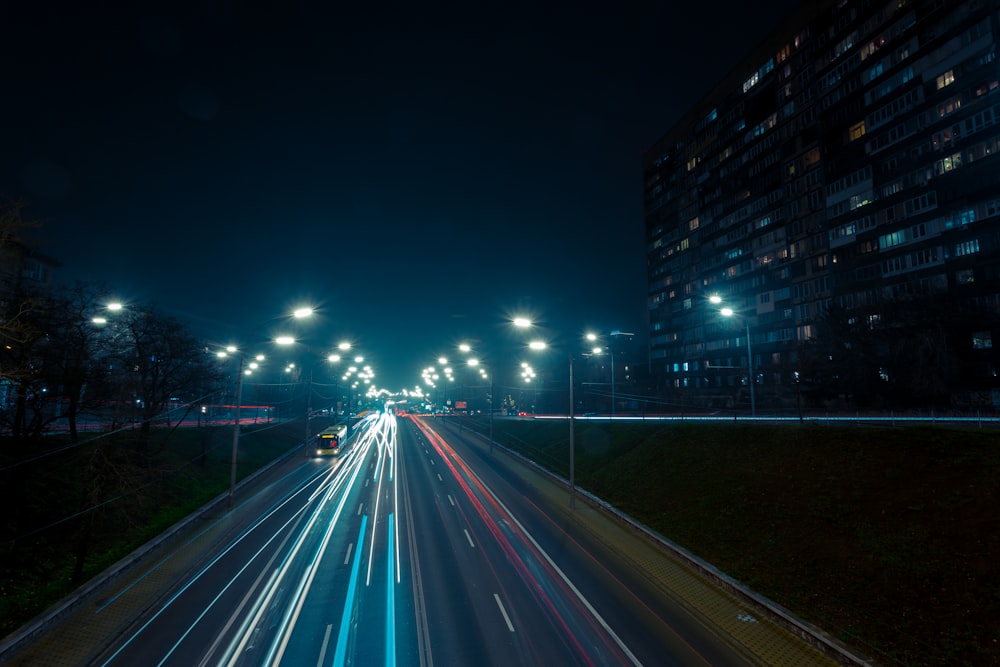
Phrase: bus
x=330 y=440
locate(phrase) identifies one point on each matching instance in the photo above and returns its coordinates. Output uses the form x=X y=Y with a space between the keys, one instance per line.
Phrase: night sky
x=416 y=172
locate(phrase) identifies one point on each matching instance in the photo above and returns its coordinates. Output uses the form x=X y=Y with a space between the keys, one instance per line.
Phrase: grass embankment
x=73 y=511
x=886 y=538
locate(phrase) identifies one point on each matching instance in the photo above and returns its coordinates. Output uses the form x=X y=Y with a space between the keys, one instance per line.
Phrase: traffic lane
x=479 y=608
x=461 y=627
x=203 y=612
x=655 y=626
x=549 y=623
x=235 y=567
x=307 y=626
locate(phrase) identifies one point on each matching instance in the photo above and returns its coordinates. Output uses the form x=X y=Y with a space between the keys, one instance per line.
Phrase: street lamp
x=474 y=363
x=539 y=345
x=728 y=312
x=301 y=314
x=592 y=337
x=231 y=349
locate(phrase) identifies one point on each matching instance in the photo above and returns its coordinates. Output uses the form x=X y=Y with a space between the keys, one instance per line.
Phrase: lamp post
x=474 y=363
x=343 y=346
x=301 y=314
x=242 y=370
x=298 y=313
x=541 y=345
x=518 y=322
x=729 y=312
x=592 y=337
x=236 y=432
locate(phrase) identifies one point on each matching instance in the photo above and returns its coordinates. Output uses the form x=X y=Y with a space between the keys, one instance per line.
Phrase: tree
x=159 y=361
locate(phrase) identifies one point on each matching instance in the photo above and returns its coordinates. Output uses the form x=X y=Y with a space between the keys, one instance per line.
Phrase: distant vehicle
x=331 y=440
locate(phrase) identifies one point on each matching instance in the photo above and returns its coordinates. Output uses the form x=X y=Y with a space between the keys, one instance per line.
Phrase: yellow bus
x=330 y=440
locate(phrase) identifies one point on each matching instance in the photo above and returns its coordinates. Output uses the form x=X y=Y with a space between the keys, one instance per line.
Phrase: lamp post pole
x=308 y=407
x=236 y=431
x=612 y=384
x=572 y=449
x=489 y=404
x=728 y=312
x=753 y=402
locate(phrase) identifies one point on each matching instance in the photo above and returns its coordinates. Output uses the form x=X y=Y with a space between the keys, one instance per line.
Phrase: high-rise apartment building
x=839 y=191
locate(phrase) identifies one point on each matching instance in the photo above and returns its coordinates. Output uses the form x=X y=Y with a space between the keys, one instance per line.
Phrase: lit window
x=945 y=79
x=858 y=131
x=982 y=340
x=967 y=247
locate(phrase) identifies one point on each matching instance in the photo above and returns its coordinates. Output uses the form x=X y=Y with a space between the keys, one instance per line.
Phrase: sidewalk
x=770 y=633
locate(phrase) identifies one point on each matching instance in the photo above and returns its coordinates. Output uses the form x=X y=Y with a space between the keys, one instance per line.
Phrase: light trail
x=390 y=606
x=209 y=566
x=236 y=648
x=556 y=575
x=340 y=656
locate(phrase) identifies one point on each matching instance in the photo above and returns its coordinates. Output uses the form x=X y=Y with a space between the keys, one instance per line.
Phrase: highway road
x=417 y=547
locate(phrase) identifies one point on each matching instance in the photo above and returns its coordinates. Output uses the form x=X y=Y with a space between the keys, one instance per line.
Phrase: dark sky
x=417 y=172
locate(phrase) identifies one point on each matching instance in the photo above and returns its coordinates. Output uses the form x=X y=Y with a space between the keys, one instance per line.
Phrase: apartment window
x=982 y=340
x=925 y=256
x=950 y=106
x=893 y=265
x=892 y=239
x=947 y=164
x=967 y=247
x=945 y=79
x=941 y=139
x=965 y=277
x=858 y=130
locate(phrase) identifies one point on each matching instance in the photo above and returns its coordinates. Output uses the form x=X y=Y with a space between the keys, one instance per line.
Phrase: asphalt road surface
x=417 y=546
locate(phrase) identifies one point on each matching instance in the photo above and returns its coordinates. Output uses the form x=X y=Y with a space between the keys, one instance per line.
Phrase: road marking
x=506 y=618
x=340 y=656
x=326 y=642
x=440 y=478
x=469 y=537
x=350 y=548
x=432 y=461
x=451 y=500
x=360 y=507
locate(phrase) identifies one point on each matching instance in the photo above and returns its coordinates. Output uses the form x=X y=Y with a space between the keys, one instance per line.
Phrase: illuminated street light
x=232 y=349
x=729 y=312
x=540 y=345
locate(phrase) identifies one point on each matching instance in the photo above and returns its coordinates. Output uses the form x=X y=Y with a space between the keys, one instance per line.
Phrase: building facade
x=839 y=191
